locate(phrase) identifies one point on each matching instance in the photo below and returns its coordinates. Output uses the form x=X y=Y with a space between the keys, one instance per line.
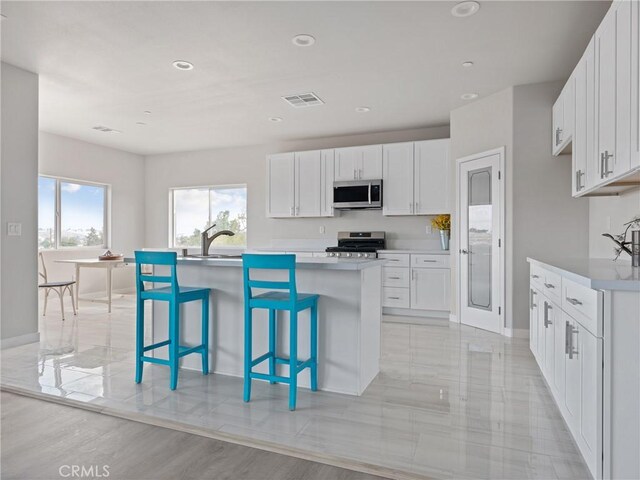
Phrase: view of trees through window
x=196 y=209
x=81 y=210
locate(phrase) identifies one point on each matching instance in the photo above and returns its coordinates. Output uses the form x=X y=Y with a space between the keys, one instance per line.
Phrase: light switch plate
x=428 y=230
x=321 y=228
x=14 y=229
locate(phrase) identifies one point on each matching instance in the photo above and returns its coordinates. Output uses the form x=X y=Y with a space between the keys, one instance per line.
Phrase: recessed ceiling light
x=303 y=40
x=140 y=123
x=147 y=112
x=275 y=119
x=467 y=64
x=465 y=9
x=468 y=96
x=363 y=109
x=183 y=65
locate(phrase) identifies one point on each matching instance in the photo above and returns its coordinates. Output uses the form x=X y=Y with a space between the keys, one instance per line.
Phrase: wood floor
x=43 y=440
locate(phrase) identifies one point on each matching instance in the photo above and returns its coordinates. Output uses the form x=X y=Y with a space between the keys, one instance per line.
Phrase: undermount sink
x=214 y=255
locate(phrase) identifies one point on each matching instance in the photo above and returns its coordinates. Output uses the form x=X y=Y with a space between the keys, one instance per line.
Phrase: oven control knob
x=348 y=254
x=329 y=254
x=360 y=255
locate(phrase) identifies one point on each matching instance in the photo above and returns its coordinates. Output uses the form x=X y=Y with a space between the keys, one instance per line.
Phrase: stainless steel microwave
x=357 y=194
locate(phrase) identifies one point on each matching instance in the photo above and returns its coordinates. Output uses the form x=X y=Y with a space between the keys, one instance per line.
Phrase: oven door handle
x=369 y=193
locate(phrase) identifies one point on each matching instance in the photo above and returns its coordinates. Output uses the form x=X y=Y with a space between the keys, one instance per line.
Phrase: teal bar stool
x=175 y=295
x=285 y=298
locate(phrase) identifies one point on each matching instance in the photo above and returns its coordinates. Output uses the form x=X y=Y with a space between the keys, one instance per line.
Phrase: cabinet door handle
x=607 y=156
x=579 y=175
x=429 y=261
x=369 y=193
x=574 y=301
x=291 y=212
x=393 y=298
x=549 y=285
x=297 y=210
x=416 y=205
x=567 y=338
x=572 y=351
x=394 y=278
x=532 y=294
x=547 y=322
x=535 y=276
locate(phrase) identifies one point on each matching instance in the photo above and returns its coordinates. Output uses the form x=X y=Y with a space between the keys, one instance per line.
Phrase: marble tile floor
x=450 y=401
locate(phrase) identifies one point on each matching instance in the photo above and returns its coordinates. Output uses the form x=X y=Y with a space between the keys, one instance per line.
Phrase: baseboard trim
x=453 y=318
x=19 y=340
x=407 y=312
x=516 y=332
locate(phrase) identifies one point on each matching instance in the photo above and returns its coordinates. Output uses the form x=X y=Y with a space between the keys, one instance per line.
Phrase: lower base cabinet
x=570 y=357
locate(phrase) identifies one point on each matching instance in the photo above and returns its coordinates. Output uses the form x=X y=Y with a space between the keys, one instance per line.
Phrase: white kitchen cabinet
x=296 y=186
x=583 y=148
x=534 y=313
x=430 y=288
x=358 y=163
x=559 y=350
x=432 y=177
x=280 y=185
x=548 y=321
x=397 y=176
x=326 y=188
x=613 y=99
x=563 y=118
x=308 y=183
x=571 y=406
x=635 y=85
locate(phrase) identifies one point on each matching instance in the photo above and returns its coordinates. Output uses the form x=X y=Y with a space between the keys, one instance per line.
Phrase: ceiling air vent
x=303 y=100
x=102 y=128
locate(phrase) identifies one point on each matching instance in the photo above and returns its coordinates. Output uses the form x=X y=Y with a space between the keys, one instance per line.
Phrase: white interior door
x=479 y=236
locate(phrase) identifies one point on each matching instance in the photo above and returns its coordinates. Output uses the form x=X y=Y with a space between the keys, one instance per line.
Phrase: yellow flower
x=441 y=222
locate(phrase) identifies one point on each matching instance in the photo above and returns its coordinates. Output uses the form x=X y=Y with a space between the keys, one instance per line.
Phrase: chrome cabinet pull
x=604 y=164
x=394 y=278
x=291 y=212
x=429 y=261
x=369 y=193
x=567 y=337
x=393 y=298
x=532 y=294
x=572 y=351
x=579 y=175
x=549 y=285
x=547 y=322
x=574 y=301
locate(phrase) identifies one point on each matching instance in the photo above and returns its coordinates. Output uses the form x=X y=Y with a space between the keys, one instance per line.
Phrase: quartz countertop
x=596 y=273
x=320 y=263
x=416 y=251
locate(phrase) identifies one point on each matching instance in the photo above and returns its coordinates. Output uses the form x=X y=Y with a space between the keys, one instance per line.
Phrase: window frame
x=172 y=213
x=106 y=214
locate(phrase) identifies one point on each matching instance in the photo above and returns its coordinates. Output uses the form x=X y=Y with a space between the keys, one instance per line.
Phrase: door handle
x=464 y=252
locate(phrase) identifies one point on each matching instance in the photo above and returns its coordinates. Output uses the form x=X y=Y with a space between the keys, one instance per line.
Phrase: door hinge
x=499 y=175
x=499 y=310
x=499 y=242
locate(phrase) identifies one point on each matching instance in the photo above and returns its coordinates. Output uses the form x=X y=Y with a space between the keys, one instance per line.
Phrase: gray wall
x=547 y=222
x=609 y=214
x=19 y=203
x=248 y=165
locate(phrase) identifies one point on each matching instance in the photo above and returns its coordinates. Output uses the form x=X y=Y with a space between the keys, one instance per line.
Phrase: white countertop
x=320 y=263
x=417 y=251
x=596 y=273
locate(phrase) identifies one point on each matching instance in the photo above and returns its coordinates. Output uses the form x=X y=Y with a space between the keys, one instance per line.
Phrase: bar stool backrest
x=251 y=261
x=156 y=258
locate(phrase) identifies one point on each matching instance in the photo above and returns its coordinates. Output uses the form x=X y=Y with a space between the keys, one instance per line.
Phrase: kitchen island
x=349 y=317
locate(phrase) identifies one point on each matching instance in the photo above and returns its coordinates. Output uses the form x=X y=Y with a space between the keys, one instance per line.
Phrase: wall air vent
x=102 y=128
x=303 y=100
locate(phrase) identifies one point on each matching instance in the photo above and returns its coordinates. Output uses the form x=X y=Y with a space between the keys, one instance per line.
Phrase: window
x=195 y=209
x=71 y=213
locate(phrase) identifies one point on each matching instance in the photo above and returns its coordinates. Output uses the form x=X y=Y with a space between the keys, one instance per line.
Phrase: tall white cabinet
x=416 y=178
x=300 y=184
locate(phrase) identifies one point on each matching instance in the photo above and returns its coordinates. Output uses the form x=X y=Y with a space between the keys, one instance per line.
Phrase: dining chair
x=59 y=287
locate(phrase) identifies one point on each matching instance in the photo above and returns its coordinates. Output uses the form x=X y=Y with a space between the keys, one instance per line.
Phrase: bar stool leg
x=247 y=352
x=174 y=335
x=314 y=347
x=205 y=335
x=272 y=343
x=139 y=338
x=293 y=358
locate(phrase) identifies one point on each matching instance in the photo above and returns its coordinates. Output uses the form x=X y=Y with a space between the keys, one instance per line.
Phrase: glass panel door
x=480 y=237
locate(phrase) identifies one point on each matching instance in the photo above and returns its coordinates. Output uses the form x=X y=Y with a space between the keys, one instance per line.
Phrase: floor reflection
x=450 y=401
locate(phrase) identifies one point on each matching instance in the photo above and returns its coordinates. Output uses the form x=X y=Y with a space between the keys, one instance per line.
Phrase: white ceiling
x=104 y=63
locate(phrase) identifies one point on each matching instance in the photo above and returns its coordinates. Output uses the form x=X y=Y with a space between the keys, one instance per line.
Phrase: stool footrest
x=261 y=359
x=270 y=378
x=159 y=361
x=182 y=351
x=156 y=345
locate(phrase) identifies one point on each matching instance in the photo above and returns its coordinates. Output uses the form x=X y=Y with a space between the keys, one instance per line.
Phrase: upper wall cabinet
x=416 y=178
x=606 y=128
x=358 y=163
x=298 y=184
x=563 y=118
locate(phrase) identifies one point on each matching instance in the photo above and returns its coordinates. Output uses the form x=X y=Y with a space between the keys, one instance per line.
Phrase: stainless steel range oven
x=357 y=245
